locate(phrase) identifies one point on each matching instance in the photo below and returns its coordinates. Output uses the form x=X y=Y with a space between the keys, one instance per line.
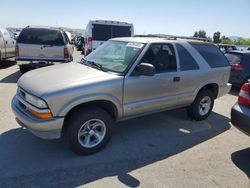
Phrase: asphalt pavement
x=161 y=150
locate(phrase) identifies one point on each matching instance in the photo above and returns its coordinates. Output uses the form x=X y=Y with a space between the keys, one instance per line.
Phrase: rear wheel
x=202 y=105
x=89 y=130
x=23 y=69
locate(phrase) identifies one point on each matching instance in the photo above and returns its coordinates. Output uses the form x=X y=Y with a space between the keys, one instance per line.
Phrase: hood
x=58 y=77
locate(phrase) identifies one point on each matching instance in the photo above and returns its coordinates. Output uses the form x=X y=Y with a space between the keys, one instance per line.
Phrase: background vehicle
x=248 y=48
x=227 y=47
x=240 y=113
x=80 y=43
x=99 y=31
x=123 y=78
x=7 y=44
x=240 y=67
x=42 y=46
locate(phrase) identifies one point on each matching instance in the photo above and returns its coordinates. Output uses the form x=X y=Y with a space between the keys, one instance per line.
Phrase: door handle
x=176 y=79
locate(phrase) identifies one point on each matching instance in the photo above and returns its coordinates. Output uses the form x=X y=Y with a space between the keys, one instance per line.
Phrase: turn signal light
x=40 y=115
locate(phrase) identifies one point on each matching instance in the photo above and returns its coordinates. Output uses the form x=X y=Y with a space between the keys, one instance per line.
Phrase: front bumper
x=46 y=129
x=240 y=118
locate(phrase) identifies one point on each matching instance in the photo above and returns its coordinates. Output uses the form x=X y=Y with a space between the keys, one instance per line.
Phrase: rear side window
x=187 y=62
x=41 y=36
x=234 y=58
x=211 y=54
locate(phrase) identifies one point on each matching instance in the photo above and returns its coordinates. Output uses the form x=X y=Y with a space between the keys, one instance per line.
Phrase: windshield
x=114 y=56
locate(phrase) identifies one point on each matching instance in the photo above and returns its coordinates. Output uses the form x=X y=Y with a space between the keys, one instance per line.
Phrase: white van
x=7 y=44
x=99 y=31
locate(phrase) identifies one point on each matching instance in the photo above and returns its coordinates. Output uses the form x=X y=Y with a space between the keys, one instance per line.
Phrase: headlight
x=35 y=101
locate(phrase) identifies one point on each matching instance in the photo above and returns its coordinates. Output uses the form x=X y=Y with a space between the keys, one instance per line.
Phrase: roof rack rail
x=173 y=37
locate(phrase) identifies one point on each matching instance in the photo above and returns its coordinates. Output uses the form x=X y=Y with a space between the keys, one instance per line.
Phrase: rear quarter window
x=41 y=36
x=187 y=62
x=213 y=56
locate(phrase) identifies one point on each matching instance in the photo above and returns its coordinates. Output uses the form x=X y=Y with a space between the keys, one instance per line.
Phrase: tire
x=23 y=69
x=198 y=112
x=100 y=124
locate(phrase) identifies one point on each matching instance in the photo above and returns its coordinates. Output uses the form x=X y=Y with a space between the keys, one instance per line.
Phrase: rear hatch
x=40 y=44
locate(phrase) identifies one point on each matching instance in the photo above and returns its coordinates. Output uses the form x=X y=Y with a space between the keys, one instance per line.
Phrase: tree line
x=217 y=38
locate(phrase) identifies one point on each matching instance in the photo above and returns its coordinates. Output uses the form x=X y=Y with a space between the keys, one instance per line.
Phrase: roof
x=110 y=22
x=154 y=40
x=42 y=27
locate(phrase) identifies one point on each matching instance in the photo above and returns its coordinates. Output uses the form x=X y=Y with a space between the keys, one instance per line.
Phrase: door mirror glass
x=144 y=69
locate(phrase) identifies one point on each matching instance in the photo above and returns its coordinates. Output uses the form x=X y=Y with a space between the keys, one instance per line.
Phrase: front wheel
x=89 y=130
x=202 y=105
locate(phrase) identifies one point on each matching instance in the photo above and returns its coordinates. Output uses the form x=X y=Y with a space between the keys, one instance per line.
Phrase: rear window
x=106 y=32
x=41 y=36
x=121 y=31
x=187 y=62
x=234 y=58
x=213 y=56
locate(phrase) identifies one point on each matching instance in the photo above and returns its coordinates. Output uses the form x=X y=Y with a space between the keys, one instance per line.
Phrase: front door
x=145 y=94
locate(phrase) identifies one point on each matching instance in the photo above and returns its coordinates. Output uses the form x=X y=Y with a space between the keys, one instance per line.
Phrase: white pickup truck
x=7 y=44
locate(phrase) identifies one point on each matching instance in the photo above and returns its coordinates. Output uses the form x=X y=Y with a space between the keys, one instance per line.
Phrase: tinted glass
x=234 y=58
x=106 y=32
x=101 y=32
x=187 y=62
x=162 y=56
x=41 y=36
x=211 y=54
x=121 y=31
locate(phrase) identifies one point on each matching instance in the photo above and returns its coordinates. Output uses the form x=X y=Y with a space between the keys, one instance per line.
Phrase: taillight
x=244 y=98
x=237 y=66
x=17 y=50
x=66 y=53
x=89 y=43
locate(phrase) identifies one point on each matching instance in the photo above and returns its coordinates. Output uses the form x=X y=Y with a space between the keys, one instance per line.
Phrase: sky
x=173 y=17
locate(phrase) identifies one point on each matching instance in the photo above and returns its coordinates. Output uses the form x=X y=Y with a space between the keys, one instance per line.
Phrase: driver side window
x=162 y=57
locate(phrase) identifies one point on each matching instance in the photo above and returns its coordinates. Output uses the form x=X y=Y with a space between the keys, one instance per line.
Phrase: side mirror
x=144 y=69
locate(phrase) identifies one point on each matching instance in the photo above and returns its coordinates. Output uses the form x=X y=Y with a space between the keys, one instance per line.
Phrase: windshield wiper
x=94 y=64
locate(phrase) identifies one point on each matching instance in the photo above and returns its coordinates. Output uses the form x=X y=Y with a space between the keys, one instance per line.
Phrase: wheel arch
x=106 y=105
x=214 y=87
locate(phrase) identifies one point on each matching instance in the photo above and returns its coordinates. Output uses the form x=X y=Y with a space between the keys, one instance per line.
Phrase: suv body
x=99 y=31
x=124 y=78
x=240 y=67
x=7 y=44
x=40 y=46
